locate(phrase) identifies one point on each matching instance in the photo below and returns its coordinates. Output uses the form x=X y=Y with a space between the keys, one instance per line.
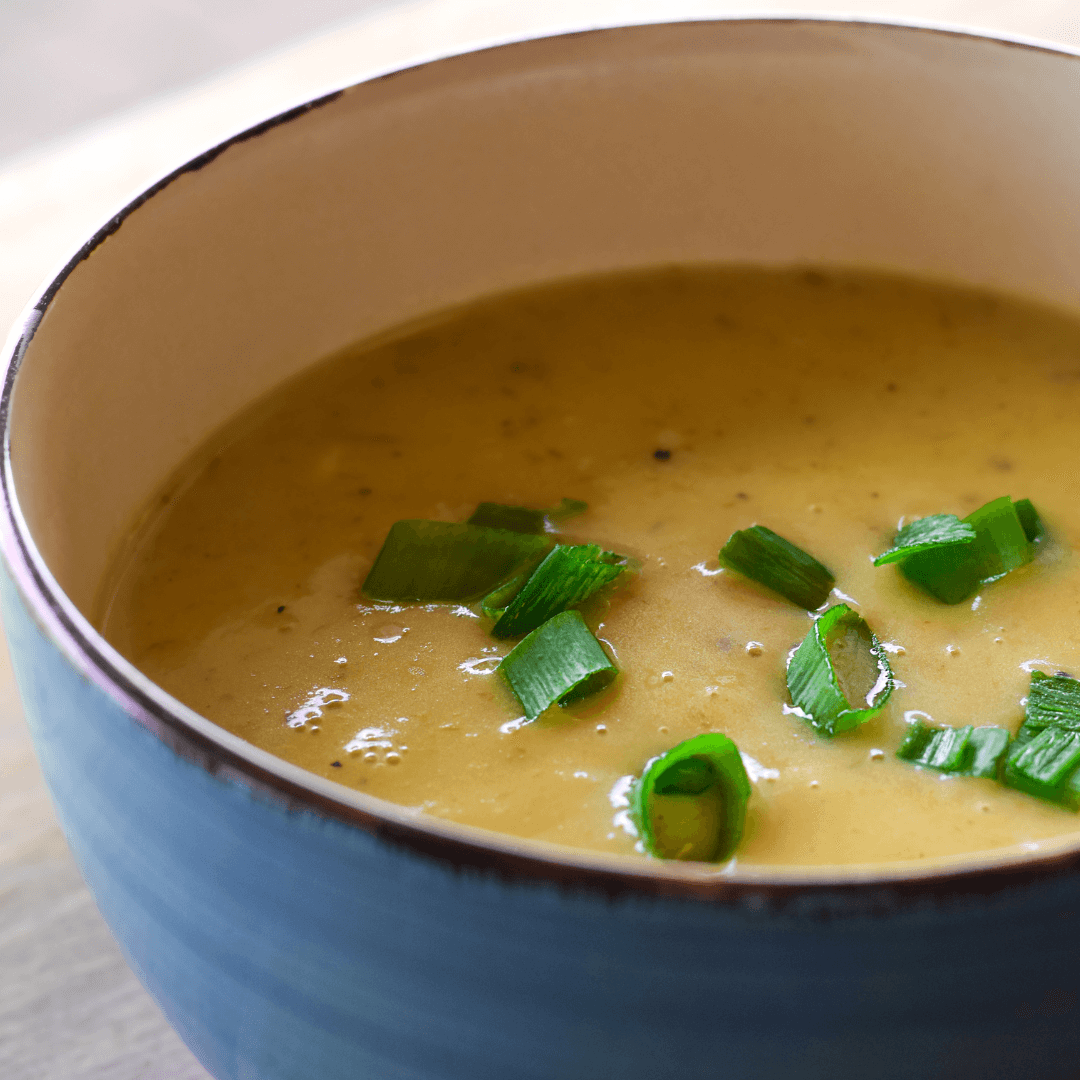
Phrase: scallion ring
x=690 y=803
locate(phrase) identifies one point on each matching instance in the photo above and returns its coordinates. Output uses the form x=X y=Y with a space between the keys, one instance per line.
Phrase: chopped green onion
x=1045 y=759
x=521 y=518
x=759 y=554
x=926 y=534
x=915 y=741
x=968 y=750
x=988 y=746
x=943 y=748
x=515 y=518
x=567 y=508
x=951 y=752
x=1032 y=524
x=690 y=803
x=839 y=677
x=1000 y=533
x=1047 y=766
x=567 y=577
x=442 y=561
x=560 y=662
x=494 y=604
x=1052 y=701
x=954 y=571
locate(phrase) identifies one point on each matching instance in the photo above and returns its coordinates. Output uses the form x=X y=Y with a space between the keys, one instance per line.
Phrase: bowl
x=293 y=928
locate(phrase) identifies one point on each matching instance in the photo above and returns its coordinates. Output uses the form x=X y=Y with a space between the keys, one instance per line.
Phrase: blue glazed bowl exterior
x=289 y=934
x=285 y=945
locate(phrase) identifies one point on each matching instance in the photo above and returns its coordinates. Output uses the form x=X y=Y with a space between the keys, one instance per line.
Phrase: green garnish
x=690 y=803
x=1032 y=524
x=515 y=518
x=1047 y=766
x=567 y=508
x=759 y=554
x=447 y=562
x=941 y=748
x=988 y=746
x=567 y=577
x=559 y=662
x=925 y=534
x=521 y=518
x=494 y=604
x=953 y=567
x=968 y=751
x=1000 y=538
x=839 y=677
x=1045 y=759
x=1052 y=701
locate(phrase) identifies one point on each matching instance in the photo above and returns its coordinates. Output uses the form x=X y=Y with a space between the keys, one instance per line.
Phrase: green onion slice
x=759 y=554
x=1000 y=534
x=943 y=748
x=926 y=534
x=567 y=577
x=567 y=508
x=988 y=747
x=953 y=572
x=515 y=518
x=968 y=751
x=494 y=604
x=1047 y=766
x=1045 y=758
x=559 y=662
x=839 y=677
x=1052 y=701
x=1032 y=524
x=447 y=562
x=690 y=803
x=521 y=518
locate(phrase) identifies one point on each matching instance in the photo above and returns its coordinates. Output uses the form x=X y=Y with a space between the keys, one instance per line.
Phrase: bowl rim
x=860 y=888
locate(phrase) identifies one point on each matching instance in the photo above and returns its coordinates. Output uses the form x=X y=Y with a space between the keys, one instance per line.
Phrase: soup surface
x=681 y=405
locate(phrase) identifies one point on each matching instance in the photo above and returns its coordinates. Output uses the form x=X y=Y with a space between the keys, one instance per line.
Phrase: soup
x=681 y=405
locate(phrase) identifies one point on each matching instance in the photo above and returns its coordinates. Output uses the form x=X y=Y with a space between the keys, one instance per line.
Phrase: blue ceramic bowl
x=292 y=928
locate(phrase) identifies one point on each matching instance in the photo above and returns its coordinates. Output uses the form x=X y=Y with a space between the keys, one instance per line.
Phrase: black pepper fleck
x=281 y=609
x=662 y=455
x=335 y=764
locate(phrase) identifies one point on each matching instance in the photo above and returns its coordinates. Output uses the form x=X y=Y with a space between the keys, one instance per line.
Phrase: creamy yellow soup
x=826 y=406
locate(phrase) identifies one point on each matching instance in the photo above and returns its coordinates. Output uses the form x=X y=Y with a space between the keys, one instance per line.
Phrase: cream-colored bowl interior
x=764 y=141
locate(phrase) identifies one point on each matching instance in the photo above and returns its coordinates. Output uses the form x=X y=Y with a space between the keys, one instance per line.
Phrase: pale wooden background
x=69 y=1007
x=66 y=63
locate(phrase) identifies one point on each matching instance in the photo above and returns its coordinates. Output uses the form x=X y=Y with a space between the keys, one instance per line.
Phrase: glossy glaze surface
x=285 y=945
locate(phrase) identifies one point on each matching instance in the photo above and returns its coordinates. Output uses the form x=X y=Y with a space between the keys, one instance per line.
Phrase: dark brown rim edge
x=865 y=890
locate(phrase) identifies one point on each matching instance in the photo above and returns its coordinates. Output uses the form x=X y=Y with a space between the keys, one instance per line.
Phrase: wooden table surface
x=70 y=1009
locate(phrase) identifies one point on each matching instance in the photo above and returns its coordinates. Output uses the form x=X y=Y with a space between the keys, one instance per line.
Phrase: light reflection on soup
x=823 y=405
